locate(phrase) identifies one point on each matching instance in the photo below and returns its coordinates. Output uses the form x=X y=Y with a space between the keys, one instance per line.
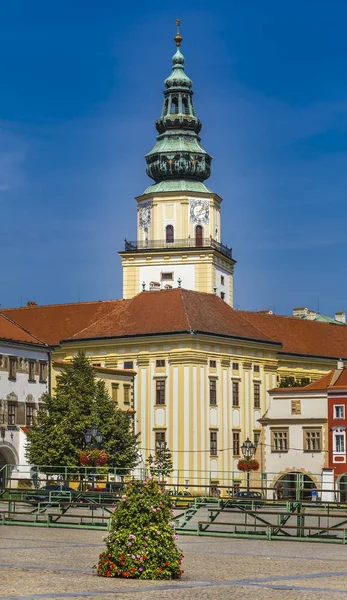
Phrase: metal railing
x=140 y=245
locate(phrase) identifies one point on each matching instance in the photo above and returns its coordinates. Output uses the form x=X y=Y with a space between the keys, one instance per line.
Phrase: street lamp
x=93 y=434
x=248 y=450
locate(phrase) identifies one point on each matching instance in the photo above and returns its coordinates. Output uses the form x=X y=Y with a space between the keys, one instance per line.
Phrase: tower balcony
x=184 y=245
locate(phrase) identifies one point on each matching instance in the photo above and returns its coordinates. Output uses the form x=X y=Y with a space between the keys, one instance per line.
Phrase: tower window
x=185 y=106
x=169 y=234
x=174 y=106
x=222 y=295
x=198 y=236
x=168 y=276
x=222 y=279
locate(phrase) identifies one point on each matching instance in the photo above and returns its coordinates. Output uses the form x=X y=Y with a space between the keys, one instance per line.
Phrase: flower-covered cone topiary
x=142 y=542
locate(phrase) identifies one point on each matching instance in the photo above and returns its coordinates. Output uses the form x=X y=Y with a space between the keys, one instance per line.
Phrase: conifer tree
x=78 y=401
x=161 y=465
x=142 y=542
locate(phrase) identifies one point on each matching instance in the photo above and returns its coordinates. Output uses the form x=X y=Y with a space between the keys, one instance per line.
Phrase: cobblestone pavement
x=54 y=564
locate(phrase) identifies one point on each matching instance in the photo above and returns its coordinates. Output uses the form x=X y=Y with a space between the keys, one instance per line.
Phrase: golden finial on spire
x=178 y=38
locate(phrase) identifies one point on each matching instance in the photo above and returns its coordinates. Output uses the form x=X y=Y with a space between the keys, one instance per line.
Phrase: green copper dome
x=178 y=154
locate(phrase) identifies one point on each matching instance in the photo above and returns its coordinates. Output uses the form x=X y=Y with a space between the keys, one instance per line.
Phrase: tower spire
x=178 y=38
x=178 y=160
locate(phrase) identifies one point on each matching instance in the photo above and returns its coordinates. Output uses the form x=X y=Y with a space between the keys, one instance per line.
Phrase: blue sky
x=81 y=86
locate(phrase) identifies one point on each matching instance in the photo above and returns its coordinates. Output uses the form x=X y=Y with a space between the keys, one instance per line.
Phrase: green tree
x=161 y=465
x=79 y=400
x=141 y=543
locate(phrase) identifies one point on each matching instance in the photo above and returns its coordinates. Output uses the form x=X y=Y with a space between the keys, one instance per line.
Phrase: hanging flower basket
x=248 y=465
x=93 y=458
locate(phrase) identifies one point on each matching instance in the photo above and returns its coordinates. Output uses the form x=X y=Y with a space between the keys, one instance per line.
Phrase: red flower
x=167 y=564
x=133 y=570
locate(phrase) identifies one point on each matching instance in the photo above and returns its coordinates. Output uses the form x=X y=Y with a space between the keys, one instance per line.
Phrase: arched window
x=198 y=236
x=169 y=234
x=166 y=106
x=174 y=106
x=185 y=106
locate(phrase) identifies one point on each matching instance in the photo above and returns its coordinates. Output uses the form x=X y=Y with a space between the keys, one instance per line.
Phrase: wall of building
x=21 y=393
x=337 y=428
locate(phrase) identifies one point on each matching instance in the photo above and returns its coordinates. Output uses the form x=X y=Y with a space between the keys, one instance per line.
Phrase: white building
x=24 y=377
x=295 y=437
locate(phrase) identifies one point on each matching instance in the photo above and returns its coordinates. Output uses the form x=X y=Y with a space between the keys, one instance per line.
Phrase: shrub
x=142 y=542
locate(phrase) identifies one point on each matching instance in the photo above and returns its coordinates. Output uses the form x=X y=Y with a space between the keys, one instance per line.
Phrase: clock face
x=145 y=214
x=199 y=210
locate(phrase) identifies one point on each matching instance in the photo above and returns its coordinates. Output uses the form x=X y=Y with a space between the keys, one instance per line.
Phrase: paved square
x=55 y=564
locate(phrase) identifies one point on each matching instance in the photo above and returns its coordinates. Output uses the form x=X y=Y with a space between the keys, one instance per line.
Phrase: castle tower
x=178 y=217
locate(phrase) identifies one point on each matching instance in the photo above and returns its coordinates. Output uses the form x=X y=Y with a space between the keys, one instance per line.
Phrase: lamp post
x=93 y=434
x=248 y=449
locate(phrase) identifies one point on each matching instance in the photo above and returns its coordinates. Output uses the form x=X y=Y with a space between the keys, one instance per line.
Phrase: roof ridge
x=99 y=319
x=257 y=328
x=38 y=306
x=254 y=312
x=22 y=328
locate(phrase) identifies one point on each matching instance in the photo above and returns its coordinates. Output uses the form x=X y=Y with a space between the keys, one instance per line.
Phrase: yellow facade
x=187 y=417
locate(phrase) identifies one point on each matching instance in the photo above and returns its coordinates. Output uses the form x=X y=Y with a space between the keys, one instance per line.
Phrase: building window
x=222 y=295
x=296 y=407
x=213 y=391
x=160 y=391
x=169 y=234
x=235 y=366
x=160 y=363
x=12 y=370
x=115 y=387
x=256 y=368
x=222 y=279
x=198 y=236
x=339 y=411
x=213 y=364
x=174 y=106
x=256 y=436
x=43 y=372
x=313 y=440
x=256 y=389
x=11 y=414
x=236 y=486
x=236 y=396
x=213 y=443
x=167 y=276
x=339 y=443
x=29 y=419
x=31 y=370
x=236 y=443
x=126 y=394
x=159 y=438
x=128 y=364
x=279 y=442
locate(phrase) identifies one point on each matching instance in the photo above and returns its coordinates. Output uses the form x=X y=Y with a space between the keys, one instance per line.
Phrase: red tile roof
x=178 y=310
x=298 y=336
x=11 y=331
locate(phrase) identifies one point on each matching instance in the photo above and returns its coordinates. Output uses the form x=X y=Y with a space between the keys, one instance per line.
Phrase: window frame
x=29 y=408
x=126 y=393
x=43 y=371
x=341 y=435
x=128 y=362
x=284 y=431
x=114 y=392
x=235 y=394
x=236 y=443
x=160 y=362
x=256 y=395
x=31 y=370
x=160 y=399
x=213 y=442
x=311 y=432
x=12 y=368
x=11 y=415
x=343 y=411
x=159 y=433
x=213 y=391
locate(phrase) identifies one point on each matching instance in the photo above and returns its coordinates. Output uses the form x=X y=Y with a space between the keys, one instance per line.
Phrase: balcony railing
x=140 y=245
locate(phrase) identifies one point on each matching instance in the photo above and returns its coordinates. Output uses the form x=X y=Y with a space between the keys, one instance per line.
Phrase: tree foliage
x=161 y=465
x=141 y=543
x=78 y=401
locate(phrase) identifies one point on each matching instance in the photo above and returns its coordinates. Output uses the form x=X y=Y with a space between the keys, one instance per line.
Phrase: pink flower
x=157 y=532
x=130 y=544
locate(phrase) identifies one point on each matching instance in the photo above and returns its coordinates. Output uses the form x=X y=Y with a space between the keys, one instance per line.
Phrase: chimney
x=31 y=303
x=300 y=312
x=340 y=364
x=340 y=317
x=311 y=315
